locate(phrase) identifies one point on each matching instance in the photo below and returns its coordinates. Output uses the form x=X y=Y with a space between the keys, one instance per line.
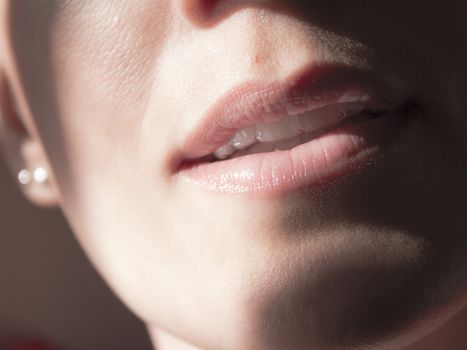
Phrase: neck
x=162 y=340
x=450 y=336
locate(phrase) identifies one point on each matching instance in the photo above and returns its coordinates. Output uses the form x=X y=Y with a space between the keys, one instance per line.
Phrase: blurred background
x=48 y=289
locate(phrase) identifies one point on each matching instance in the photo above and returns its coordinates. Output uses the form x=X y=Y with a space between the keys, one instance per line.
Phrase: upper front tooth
x=329 y=115
x=244 y=138
x=282 y=129
x=321 y=117
x=224 y=151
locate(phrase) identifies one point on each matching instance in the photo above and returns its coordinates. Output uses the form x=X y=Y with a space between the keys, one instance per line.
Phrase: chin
x=325 y=297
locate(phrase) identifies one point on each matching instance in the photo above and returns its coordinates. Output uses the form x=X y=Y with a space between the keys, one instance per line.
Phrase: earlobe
x=24 y=153
x=34 y=176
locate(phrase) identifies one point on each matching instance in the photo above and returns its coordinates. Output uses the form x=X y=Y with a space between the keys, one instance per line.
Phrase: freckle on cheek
x=258 y=58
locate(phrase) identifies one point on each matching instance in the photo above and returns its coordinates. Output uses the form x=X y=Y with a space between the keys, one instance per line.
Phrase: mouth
x=270 y=139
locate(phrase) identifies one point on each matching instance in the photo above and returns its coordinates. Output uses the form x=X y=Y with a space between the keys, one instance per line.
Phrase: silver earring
x=24 y=177
x=39 y=175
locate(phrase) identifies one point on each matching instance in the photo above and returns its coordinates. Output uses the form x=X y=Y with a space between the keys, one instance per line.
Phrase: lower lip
x=319 y=161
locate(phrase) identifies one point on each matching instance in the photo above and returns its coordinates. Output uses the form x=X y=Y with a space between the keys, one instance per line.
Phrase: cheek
x=102 y=68
x=89 y=85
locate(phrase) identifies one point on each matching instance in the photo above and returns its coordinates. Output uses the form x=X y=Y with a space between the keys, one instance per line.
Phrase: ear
x=23 y=150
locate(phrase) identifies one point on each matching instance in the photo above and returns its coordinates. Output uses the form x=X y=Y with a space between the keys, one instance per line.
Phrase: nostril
x=198 y=12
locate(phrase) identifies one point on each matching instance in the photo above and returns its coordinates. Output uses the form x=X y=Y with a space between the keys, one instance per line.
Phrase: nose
x=205 y=13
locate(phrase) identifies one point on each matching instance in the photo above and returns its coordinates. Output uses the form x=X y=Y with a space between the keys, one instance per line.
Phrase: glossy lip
x=314 y=163
x=310 y=163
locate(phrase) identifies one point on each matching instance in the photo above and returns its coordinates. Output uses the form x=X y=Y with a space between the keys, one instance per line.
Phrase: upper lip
x=256 y=101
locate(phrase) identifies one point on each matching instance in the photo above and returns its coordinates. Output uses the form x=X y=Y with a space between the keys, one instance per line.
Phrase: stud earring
x=40 y=175
x=24 y=177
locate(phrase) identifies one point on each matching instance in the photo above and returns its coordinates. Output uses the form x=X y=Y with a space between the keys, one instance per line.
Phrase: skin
x=100 y=92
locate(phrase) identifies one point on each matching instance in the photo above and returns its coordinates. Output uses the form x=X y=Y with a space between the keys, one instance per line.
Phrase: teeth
x=224 y=151
x=352 y=97
x=244 y=138
x=283 y=129
x=328 y=116
x=289 y=127
x=319 y=118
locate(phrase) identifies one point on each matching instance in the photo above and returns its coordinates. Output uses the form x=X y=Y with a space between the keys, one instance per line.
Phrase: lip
x=330 y=155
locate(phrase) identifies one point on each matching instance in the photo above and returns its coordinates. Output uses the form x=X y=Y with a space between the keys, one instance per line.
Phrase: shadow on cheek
x=416 y=191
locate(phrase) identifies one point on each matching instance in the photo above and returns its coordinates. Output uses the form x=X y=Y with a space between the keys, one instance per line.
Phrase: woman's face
x=369 y=251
